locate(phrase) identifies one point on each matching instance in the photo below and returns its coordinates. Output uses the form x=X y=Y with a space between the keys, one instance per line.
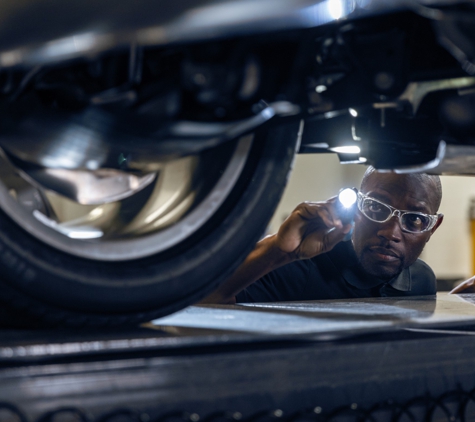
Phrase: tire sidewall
x=164 y=283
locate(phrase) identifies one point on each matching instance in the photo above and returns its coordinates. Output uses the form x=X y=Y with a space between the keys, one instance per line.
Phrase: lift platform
x=384 y=359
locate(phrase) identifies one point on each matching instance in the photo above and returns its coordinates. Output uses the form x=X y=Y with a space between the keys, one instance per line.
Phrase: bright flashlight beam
x=347 y=197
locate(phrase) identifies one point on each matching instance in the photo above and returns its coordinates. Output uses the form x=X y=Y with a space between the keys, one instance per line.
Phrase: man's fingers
x=320 y=212
x=311 y=229
x=335 y=236
x=347 y=228
x=468 y=286
x=318 y=242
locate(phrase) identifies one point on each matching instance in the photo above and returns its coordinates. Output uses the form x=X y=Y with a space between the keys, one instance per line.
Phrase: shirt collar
x=403 y=281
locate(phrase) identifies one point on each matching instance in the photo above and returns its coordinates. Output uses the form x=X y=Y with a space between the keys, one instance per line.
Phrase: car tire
x=44 y=286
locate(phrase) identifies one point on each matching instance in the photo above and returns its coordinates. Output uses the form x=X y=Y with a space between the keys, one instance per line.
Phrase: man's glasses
x=411 y=221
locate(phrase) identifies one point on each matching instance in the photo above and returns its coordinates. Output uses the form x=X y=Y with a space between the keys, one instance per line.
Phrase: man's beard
x=379 y=271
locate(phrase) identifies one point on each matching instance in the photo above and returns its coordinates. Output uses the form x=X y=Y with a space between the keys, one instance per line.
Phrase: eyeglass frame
x=399 y=213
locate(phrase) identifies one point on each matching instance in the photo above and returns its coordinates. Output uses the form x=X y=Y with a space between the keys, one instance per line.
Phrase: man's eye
x=415 y=220
x=374 y=207
x=416 y=223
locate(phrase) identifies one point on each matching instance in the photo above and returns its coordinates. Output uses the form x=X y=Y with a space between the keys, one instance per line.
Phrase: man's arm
x=265 y=258
x=313 y=228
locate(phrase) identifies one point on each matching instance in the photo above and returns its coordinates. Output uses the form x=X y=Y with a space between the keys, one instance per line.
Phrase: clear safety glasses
x=411 y=221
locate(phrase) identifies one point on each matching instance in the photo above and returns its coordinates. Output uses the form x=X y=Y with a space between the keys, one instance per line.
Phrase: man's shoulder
x=423 y=279
x=421 y=273
x=423 y=267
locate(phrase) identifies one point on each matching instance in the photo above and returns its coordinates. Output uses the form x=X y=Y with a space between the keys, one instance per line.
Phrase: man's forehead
x=415 y=192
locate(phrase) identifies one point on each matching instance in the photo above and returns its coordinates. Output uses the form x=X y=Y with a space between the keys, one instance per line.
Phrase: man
x=307 y=258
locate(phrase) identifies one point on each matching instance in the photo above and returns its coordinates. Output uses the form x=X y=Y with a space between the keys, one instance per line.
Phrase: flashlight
x=346 y=207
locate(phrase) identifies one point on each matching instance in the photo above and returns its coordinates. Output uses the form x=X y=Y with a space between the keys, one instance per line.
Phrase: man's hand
x=468 y=286
x=312 y=229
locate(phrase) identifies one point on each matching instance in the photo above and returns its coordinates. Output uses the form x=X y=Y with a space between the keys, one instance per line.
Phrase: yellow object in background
x=472 y=232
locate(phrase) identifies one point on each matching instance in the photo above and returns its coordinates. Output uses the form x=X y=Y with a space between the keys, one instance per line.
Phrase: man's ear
x=440 y=218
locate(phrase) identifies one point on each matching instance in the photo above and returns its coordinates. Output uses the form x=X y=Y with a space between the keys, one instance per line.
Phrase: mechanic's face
x=383 y=249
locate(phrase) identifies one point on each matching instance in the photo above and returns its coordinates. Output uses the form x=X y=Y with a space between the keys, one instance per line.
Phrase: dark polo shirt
x=336 y=275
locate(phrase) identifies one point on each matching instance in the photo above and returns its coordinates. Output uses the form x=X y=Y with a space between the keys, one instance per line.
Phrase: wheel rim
x=174 y=210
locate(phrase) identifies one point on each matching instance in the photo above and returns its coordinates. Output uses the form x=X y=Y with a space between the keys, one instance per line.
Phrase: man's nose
x=391 y=230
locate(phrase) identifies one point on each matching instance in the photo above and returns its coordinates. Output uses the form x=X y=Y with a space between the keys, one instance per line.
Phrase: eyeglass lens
x=380 y=212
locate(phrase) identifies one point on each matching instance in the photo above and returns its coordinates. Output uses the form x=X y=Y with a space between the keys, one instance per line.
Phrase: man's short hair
x=420 y=177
